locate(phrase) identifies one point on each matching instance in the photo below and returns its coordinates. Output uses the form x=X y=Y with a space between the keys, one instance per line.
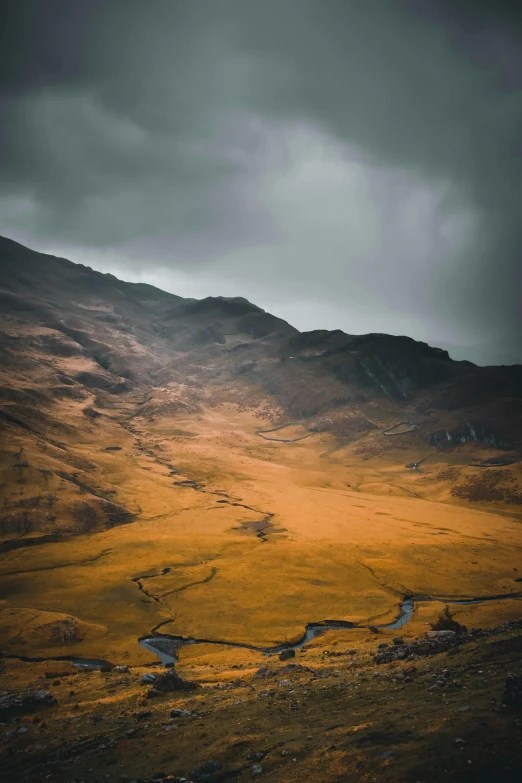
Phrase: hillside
x=200 y=476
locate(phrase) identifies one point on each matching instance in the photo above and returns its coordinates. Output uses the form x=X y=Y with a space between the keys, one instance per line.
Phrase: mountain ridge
x=11 y=247
x=140 y=335
x=198 y=471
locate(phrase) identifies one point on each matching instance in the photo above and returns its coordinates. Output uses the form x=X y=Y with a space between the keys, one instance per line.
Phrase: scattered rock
x=171 y=681
x=440 y=634
x=121 y=669
x=153 y=693
x=205 y=772
x=257 y=769
x=180 y=714
x=263 y=672
x=441 y=641
x=142 y=714
x=398 y=641
x=24 y=701
x=293 y=667
x=512 y=694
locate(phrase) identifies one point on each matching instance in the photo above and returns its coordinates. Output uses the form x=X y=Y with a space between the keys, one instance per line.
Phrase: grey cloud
x=359 y=154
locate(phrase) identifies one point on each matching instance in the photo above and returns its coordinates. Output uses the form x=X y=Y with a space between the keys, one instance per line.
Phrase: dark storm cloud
x=332 y=160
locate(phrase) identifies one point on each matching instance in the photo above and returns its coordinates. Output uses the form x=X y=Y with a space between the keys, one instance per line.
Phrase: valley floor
x=239 y=539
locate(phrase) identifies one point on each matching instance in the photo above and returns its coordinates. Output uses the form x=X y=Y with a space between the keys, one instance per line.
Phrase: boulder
x=180 y=713
x=24 y=701
x=440 y=634
x=292 y=667
x=262 y=673
x=171 y=681
x=286 y=654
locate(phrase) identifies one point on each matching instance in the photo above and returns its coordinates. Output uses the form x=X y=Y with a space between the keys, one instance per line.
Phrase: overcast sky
x=352 y=164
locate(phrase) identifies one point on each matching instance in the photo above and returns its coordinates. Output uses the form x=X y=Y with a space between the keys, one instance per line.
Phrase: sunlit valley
x=260 y=391
x=230 y=549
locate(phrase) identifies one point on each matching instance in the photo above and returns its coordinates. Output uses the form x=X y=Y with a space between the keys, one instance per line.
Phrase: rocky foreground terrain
x=202 y=474
x=328 y=715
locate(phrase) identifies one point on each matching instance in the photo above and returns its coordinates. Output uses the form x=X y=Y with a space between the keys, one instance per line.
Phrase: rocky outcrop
x=167 y=683
x=24 y=701
x=438 y=641
x=228 y=349
x=469 y=433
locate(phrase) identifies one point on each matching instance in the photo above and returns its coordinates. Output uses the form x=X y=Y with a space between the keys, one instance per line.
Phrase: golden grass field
x=185 y=508
x=351 y=538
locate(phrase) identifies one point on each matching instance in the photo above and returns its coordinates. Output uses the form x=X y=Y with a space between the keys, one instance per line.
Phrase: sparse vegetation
x=489 y=485
x=449 y=474
x=446 y=622
x=91 y=413
x=65 y=631
x=169 y=513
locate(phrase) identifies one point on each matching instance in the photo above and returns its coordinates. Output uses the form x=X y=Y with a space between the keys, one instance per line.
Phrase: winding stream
x=166 y=647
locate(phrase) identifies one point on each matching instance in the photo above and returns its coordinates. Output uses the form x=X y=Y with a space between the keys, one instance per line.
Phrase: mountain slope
x=201 y=477
x=136 y=334
x=84 y=353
